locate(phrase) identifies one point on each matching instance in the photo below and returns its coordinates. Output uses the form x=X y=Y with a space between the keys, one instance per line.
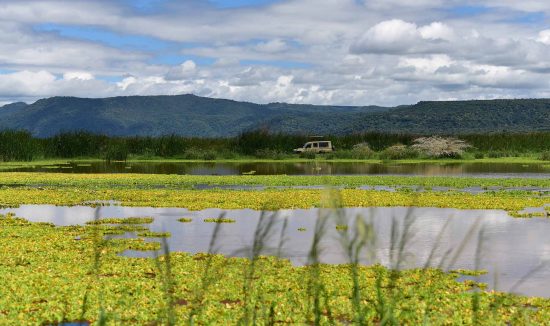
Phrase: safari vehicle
x=318 y=146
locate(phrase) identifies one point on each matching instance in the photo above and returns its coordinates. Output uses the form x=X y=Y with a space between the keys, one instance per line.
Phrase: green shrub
x=269 y=154
x=308 y=155
x=17 y=146
x=116 y=151
x=398 y=152
x=362 y=151
x=545 y=156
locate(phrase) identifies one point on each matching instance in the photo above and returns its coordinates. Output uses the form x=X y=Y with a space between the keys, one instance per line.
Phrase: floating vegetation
x=151 y=234
x=127 y=220
x=150 y=181
x=185 y=220
x=341 y=227
x=468 y=272
x=270 y=199
x=116 y=229
x=219 y=220
x=528 y=214
x=302 y=229
x=42 y=266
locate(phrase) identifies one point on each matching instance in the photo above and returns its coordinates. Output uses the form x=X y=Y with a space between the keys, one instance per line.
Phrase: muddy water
x=510 y=248
x=305 y=168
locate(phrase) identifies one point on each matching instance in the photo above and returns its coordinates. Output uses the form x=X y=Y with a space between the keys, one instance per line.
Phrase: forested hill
x=190 y=115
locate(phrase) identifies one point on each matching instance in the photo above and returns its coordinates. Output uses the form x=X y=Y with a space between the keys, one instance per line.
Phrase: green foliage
x=219 y=220
x=21 y=146
x=545 y=156
x=398 y=152
x=116 y=150
x=17 y=146
x=308 y=155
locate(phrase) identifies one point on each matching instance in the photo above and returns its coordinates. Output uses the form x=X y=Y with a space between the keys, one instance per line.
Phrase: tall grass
x=18 y=146
x=21 y=146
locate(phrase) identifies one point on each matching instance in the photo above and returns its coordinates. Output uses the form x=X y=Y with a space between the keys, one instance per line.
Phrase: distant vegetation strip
x=272 y=199
x=152 y=181
x=22 y=146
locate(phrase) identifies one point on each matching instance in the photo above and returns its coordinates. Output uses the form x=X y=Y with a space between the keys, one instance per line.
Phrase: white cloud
x=358 y=52
x=80 y=75
x=544 y=37
x=272 y=46
x=437 y=31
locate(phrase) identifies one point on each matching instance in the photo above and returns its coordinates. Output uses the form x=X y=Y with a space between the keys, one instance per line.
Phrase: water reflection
x=303 y=168
x=511 y=248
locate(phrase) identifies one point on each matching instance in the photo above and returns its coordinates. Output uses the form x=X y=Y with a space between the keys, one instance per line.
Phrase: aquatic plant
x=178 y=288
x=151 y=234
x=127 y=220
x=185 y=220
x=341 y=227
x=219 y=220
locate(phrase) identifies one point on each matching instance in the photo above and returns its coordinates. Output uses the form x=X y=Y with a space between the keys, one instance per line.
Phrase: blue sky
x=355 y=52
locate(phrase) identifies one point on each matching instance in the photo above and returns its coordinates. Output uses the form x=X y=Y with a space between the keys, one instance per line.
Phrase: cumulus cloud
x=544 y=37
x=72 y=75
x=306 y=51
x=187 y=69
x=397 y=36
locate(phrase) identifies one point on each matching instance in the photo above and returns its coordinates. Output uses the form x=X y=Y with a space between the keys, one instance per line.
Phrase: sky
x=342 y=52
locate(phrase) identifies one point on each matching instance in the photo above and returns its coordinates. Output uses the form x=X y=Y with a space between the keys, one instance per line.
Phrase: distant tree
x=440 y=147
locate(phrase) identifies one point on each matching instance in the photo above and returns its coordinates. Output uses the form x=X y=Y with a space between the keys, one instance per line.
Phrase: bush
x=199 y=154
x=269 y=154
x=362 y=151
x=498 y=154
x=17 y=146
x=398 y=152
x=479 y=155
x=308 y=155
x=439 y=147
x=545 y=156
x=116 y=151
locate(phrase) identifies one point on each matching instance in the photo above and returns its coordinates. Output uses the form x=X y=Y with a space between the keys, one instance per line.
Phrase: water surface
x=510 y=248
x=304 y=168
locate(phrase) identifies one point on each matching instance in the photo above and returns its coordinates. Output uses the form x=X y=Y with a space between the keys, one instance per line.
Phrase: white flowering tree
x=440 y=147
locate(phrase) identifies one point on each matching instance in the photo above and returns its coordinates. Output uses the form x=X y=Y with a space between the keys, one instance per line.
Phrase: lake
x=509 y=248
x=533 y=170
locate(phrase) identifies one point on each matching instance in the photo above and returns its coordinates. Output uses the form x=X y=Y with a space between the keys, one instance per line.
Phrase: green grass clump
x=528 y=215
x=302 y=229
x=219 y=220
x=185 y=220
x=341 y=227
x=116 y=220
x=468 y=272
x=151 y=234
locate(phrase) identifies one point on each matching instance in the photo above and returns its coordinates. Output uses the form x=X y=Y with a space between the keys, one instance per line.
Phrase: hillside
x=190 y=115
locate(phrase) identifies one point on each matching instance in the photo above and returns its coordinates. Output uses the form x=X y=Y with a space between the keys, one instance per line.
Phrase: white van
x=321 y=146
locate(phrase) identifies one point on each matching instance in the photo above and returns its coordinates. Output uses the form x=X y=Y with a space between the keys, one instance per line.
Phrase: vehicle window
x=323 y=144
x=308 y=146
x=315 y=145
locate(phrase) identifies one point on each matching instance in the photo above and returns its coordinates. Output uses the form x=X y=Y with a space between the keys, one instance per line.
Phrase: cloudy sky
x=350 y=52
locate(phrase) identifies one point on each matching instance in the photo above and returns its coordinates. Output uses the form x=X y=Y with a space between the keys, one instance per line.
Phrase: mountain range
x=194 y=116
